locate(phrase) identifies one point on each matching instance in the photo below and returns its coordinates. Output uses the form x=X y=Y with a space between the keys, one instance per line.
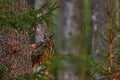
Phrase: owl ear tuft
x=51 y=35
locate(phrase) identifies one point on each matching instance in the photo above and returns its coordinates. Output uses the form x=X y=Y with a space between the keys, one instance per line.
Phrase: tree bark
x=15 y=54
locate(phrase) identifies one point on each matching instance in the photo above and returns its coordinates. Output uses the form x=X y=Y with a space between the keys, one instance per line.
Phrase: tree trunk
x=71 y=39
x=15 y=54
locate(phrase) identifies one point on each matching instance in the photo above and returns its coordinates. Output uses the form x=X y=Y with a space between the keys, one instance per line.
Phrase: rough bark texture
x=20 y=4
x=15 y=55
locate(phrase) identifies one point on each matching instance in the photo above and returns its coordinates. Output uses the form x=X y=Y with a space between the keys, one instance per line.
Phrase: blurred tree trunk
x=100 y=22
x=101 y=10
x=96 y=25
x=71 y=39
x=118 y=25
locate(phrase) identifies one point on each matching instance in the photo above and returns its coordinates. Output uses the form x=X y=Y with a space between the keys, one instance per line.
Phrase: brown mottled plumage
x=42 y=58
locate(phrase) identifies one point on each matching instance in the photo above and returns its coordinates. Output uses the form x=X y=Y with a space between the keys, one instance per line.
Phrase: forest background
x=59 y=40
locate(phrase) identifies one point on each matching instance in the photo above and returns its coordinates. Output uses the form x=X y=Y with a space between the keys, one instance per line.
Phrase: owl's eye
x=32 y=46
